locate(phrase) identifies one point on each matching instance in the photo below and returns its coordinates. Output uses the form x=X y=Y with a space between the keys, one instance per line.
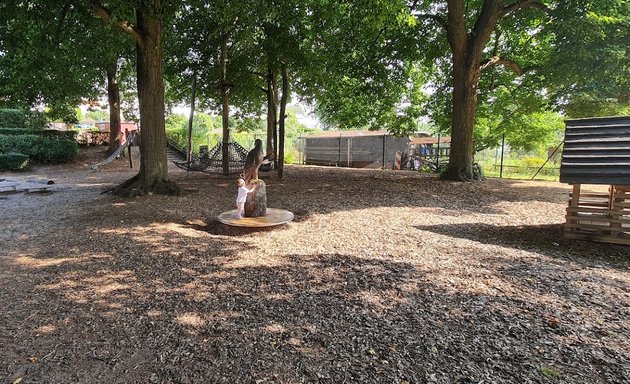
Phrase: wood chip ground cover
x=383 y=277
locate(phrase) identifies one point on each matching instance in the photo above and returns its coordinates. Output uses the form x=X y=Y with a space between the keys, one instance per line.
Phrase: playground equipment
x=212 y=160
x=597 y=151
x=132 y=139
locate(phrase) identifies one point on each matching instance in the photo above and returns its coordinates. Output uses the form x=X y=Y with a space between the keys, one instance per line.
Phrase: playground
x=382 y=277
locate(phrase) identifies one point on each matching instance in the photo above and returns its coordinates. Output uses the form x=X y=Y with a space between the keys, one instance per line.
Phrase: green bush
x=49 y=133
x=15 y=131
x=533 y=162
x=17 y=118
x=12 y=118
x=35 y=120
x=13 y=161
x=60 y=151
x=59 y=135
x=39 y=149
x=289 y=157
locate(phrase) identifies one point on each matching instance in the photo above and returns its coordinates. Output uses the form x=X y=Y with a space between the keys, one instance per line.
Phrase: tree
x=359 y=67
x=469 y=27
x=70 y=63
x=147 y=34
x=596 y=79
x=212 y=40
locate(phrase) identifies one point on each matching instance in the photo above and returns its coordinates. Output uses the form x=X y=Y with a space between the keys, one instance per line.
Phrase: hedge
x=13 y=161
x=16 y=131
x=22 y=119
x=49 y=133
x=39 y=149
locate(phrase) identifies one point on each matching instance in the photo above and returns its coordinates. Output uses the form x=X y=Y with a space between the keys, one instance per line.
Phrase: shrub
x=12 y=118
x=60 y=151
x=16 y=118
x=289 y=157
x=49 y=133
x=59 y=135
x=35 y=120
x=39 y=149
x=15 y=131
x=533 y=162
x=13 y=161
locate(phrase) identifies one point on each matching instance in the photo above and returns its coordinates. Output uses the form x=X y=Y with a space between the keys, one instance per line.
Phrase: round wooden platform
x=274 y=217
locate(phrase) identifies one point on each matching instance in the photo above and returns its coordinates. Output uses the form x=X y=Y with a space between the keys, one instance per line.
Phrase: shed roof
x=596 y=151
x=430 y=140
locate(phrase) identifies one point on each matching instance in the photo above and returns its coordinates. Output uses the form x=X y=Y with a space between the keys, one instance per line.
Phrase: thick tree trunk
x=226 y=107
x=467 y=50
x=465 y=80
x=283 y=113
x=191 y=117
x=113 y=98
x=153 y=176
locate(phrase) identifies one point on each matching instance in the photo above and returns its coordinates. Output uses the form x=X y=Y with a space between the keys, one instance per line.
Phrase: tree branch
x=62 y=19
x=437 y=18
x=515 y=67
x=524 y=4
x=99 y=10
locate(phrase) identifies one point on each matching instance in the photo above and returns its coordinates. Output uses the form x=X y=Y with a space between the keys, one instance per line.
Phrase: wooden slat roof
x=596 y=151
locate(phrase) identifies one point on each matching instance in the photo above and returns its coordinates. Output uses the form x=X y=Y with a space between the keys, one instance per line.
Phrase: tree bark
x=272 y=113
x=467 y=50
x=191 y=117
x=283 y=116
x=226 y=107
x=113 y=98
x=153 y=176
x=464 y=107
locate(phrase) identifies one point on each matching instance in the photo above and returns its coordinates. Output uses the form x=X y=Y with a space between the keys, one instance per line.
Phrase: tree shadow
x=182 y=311
x=326 y=190
x=547 y=240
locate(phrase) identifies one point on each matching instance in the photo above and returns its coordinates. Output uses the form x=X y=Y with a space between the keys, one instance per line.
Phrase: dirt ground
x=383 y=277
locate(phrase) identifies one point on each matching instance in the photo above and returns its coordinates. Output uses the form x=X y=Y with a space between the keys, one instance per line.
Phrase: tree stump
x=256 y=204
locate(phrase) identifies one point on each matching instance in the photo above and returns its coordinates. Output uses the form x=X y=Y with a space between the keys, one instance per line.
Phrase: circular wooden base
x=274 y=217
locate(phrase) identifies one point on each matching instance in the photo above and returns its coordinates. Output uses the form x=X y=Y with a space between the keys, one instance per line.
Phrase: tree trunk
x=272 y=109
x=467 y=50
x=113 y=98
x=191 y=117
x=465 y=82
x=226 y=107
x=153 y=176
x=283 y=113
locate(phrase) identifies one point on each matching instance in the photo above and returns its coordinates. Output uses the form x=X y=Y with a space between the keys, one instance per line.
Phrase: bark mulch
x=383 y=277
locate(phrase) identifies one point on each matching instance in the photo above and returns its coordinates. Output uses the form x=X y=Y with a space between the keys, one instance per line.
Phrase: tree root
x=464 y=174
x=134 y=187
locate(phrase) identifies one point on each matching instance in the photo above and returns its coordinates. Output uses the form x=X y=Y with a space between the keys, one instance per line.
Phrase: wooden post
x=573 y=203
x=502 y=151
x=615 y=210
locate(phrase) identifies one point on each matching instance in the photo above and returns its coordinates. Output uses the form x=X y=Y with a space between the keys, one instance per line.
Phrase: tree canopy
x=478 y=69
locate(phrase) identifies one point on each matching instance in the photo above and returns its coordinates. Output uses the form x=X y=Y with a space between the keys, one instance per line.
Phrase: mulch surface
x=383 y=277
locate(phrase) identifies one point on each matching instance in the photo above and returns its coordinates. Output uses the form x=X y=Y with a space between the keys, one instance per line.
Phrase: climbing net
x=212 y=160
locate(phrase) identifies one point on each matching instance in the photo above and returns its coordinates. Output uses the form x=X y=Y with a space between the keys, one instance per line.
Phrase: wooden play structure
x=597 y=152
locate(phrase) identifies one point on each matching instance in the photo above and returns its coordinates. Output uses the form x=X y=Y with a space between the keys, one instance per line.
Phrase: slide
x=117 y=152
